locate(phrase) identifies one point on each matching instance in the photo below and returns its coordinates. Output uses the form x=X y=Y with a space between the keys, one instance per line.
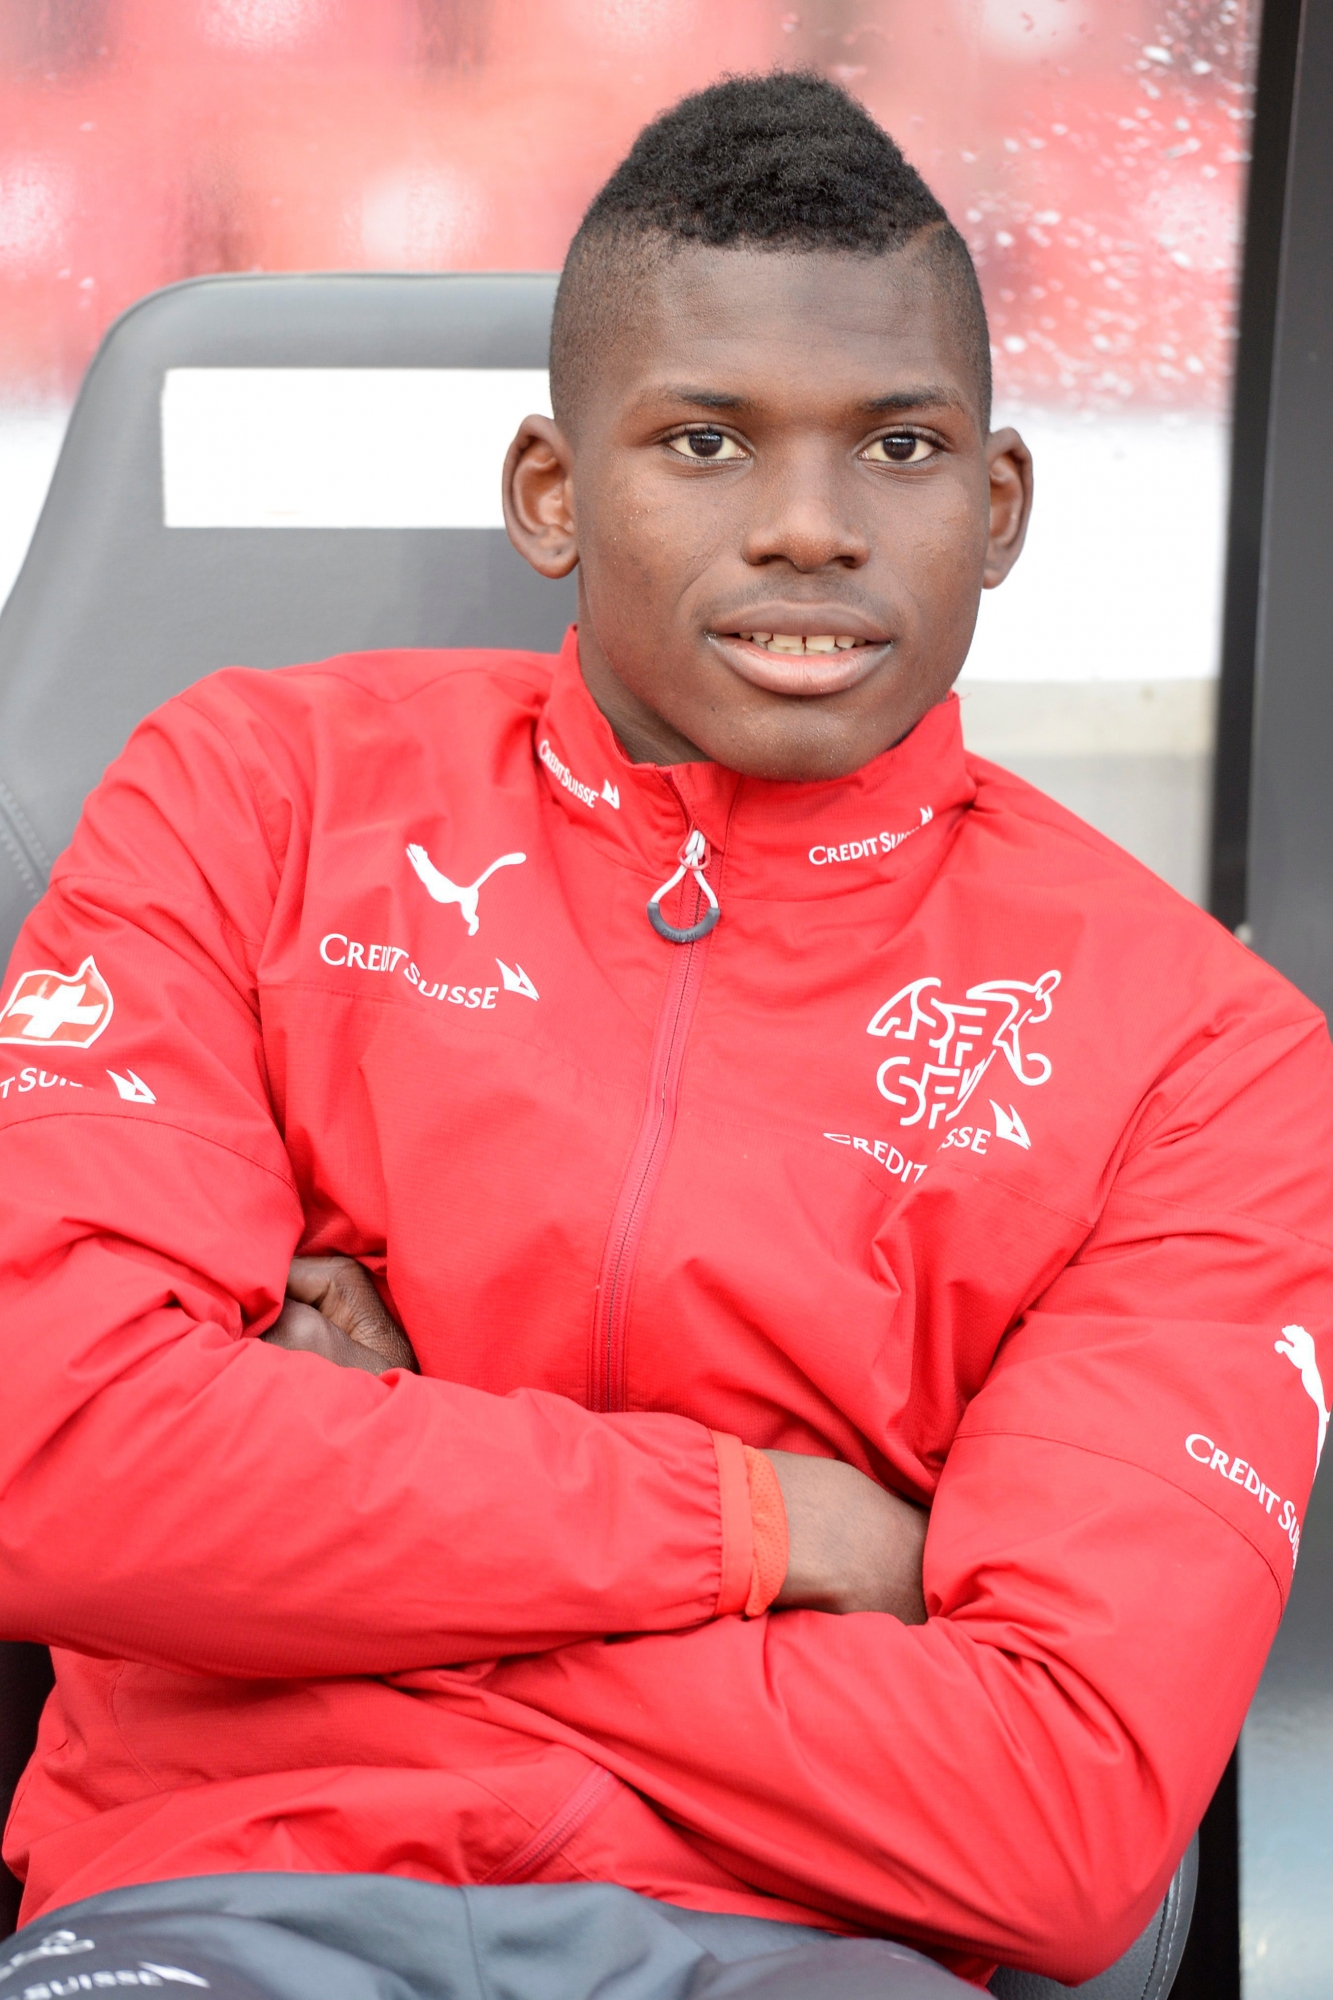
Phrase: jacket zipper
x=584 y=1802
x=651 y=1146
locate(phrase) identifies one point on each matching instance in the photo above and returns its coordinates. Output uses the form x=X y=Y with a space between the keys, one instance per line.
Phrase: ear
x=1010 y=464
x=538 y=497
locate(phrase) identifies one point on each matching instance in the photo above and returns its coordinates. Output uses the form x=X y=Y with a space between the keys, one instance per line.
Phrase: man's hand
x=333 y=1309
x=852 y=1545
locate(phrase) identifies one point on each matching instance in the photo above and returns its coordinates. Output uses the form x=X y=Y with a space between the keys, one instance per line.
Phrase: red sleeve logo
x=57 y=1009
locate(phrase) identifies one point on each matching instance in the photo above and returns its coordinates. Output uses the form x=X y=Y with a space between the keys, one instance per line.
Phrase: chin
x=808 y=743
x=795 y=763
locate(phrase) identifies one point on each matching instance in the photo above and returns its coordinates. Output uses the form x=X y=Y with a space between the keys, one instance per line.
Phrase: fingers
x=853 y=1545
x=344 y=1293
x=905 y=1590
x=302 y=1330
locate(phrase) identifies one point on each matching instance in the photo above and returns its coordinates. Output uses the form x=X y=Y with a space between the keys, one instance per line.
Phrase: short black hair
x=786 y=161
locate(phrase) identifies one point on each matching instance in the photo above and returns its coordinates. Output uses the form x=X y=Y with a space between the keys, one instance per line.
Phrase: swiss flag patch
x=57 y=1009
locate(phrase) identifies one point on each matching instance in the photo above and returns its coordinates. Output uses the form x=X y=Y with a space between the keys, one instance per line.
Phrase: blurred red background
x=1092 y=151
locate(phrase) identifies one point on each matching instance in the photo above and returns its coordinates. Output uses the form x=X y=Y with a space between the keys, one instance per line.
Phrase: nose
x=805 y=516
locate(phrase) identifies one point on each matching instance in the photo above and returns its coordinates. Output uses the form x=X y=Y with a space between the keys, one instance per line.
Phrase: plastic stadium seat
x=165 y=551
x=114 y=611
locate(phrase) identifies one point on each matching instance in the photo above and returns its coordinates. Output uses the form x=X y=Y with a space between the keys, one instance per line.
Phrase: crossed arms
x=851 y=1544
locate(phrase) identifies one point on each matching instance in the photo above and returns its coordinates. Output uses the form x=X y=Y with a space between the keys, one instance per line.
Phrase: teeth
x=796 y=642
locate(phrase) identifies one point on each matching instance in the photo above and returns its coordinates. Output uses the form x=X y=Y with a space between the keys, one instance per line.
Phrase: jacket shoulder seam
x=332 y=670
x=1149 y=1471
x=41 y=1114
x=1301 y=1024
x=1267 y=1223
x=445 y=673
x=93 y=875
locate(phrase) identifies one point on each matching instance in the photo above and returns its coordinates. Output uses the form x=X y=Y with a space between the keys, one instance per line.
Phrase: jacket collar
x=783 y=841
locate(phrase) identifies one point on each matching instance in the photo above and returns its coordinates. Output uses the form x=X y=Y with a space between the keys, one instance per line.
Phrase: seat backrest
x=115 y=610
x=1147 y=1971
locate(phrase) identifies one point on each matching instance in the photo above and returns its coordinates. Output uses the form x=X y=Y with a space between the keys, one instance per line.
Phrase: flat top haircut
x=784 y=162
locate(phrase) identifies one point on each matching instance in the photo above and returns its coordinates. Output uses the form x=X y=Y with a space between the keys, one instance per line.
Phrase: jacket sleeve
x=1109 y=1551
x=173 y=1490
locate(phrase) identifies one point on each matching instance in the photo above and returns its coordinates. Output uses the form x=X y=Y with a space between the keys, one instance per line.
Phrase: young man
x=766 y=1124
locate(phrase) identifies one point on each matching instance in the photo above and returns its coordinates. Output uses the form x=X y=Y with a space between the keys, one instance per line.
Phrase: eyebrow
x=926 y=397
x=899 y=401
x=707 y=399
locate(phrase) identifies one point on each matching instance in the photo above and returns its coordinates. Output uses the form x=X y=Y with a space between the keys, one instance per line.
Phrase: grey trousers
x=376 y=1937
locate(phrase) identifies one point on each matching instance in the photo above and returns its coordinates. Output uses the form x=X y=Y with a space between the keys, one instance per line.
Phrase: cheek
x=643 y=547
x=939 y=550
x=619 y=530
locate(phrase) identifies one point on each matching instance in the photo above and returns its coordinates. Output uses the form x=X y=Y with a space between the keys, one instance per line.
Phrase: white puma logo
x=444 y=891
x=1298 y=1346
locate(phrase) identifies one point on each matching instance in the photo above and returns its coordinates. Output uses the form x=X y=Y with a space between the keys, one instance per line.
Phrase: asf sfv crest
x=956 y=1041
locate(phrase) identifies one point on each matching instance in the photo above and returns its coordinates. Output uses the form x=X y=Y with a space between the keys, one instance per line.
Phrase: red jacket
x=962 y=1150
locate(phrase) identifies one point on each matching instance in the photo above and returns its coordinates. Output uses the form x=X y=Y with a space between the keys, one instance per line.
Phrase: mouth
x=802 y=663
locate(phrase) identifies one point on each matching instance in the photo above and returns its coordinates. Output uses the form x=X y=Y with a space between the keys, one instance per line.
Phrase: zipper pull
x=693 y=858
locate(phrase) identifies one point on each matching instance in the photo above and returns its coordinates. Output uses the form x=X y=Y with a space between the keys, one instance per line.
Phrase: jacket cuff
x=737 y=1566
x=768 y=1517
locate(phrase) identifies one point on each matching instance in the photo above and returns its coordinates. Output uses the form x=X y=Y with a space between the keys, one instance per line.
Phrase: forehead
x=782 y=327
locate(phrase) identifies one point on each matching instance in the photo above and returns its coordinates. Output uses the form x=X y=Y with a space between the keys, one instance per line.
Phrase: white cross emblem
x=57 y=1008
x=48 y=1011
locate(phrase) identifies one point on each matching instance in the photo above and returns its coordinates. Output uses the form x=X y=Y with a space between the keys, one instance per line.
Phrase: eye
x=899 y=448
x=705 y=444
